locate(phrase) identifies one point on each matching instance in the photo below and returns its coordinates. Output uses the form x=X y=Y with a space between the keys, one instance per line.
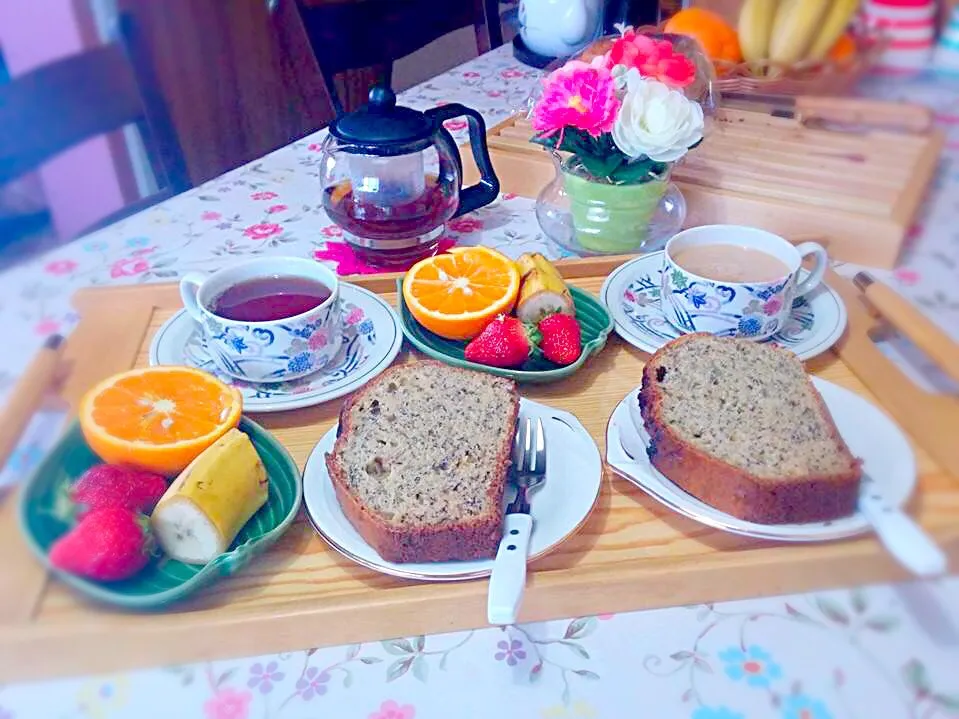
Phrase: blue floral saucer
x=371 y=340
x=631 y=293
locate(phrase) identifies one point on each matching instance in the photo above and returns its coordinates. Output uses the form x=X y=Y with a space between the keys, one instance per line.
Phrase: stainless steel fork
x=508 y=579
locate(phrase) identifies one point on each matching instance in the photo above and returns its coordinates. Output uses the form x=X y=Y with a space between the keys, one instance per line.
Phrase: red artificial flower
x=653 y=58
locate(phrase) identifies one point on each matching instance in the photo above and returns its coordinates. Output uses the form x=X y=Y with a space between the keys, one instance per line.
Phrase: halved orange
x=457 y=294
x=158 y=418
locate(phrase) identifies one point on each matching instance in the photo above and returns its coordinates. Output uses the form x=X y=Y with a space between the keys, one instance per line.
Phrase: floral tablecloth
x=884 y=651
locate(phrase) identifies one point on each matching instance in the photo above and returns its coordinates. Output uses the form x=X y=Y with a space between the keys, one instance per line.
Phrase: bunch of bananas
x=788 y=31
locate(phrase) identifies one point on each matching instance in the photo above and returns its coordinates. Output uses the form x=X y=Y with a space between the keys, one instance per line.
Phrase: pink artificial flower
x=265 y=195
x=653 y=58
x=262 y=230
x=455 y=125
x=391 y=710
x=60 y=267
x=228 y=704
x=577 y=95
x=465 y=224
x=129 y=267
x=332 y=231
x=276 y=208
x=46 y=326
x=210 y=215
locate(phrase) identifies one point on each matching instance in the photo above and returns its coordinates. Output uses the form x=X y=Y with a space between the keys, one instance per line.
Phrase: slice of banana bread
x=421 y=460
x=739 y=425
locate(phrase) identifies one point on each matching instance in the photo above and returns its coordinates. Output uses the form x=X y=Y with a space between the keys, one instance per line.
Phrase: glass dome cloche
x=617 y=119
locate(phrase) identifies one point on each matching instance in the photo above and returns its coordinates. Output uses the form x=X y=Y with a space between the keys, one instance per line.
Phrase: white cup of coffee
x=271 y=319
x=735 y=281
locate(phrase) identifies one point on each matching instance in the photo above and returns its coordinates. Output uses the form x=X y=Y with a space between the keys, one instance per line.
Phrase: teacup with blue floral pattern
x=275 y=350
x=755 y=310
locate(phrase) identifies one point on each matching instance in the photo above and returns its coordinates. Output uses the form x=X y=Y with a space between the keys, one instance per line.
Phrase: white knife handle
x=508 y=580
x=906 y=541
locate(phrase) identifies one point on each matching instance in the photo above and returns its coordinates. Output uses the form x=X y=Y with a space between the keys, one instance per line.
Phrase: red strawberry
x=108 y=544
x=504 y=342
x=106 y=485
x=561 y=343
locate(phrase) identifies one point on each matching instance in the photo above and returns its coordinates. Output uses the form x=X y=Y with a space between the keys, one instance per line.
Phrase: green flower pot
x=612 y=219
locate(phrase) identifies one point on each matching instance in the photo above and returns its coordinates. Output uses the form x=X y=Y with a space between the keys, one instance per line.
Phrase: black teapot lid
x=383 y=128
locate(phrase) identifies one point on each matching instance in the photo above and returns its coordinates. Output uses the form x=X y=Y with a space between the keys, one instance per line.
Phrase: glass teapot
x=392 y=177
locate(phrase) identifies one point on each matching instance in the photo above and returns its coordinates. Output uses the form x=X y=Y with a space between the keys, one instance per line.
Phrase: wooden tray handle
x=908 y=320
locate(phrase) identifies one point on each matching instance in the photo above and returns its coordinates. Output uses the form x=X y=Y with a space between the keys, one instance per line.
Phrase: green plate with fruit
x=46 y=513
x=594 y=321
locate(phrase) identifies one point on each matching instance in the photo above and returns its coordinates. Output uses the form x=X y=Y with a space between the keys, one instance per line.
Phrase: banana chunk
x=542 y=291
x=210 y=501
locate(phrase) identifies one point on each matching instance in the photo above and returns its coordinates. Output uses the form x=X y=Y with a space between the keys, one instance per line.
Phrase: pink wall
x=80 y=185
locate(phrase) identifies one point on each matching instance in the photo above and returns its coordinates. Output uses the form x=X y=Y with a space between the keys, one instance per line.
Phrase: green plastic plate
x=45 y=513
x=594 y=321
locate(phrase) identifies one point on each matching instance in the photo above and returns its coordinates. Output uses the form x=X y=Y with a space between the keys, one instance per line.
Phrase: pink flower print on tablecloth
x=455 y=125
x=144 y=251
x=907 y=277
x=509 y=196
x=391 y=710
x=495 y=93
x=511 y=652
x=332 y=231
x=313 y=682
x=276 y=208
x=210 y=215
x=772 y=306
x=262 y=230
x=465 y=225
x=511 y=74
x=314 y=147
x=129 y=267
x=264 y=195
x=605 y=617
x=228 y=704
x=46 y=326
x=264 y=677
x=471 y=74
x=60 y=267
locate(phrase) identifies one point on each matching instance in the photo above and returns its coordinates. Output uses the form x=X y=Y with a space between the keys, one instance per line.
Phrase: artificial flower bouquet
x=623 y=114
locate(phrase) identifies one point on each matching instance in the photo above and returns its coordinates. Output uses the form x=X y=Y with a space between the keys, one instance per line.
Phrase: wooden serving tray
x=854 y=192
x=632 y=553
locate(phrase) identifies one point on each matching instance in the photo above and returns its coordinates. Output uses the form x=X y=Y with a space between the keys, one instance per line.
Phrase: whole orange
x=716 y=36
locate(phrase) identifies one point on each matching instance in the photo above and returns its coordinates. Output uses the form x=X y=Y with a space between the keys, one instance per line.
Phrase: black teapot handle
x=486 y=190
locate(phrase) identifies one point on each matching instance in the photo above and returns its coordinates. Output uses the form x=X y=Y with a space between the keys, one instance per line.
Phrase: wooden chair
x=369 y=35
x=59 y=105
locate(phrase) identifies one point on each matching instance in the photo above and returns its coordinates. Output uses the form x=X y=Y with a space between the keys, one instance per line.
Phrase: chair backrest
x=56 y=106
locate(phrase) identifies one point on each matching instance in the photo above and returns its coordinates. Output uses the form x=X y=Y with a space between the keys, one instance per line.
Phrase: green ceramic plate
x=45 y=515
x=594 y=321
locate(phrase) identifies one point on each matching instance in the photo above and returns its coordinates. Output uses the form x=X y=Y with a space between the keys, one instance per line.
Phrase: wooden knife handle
x=908 y=320
x=27 y=395
x=871 y=113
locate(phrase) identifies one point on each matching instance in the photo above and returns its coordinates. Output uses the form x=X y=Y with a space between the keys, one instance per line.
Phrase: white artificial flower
x=656 y=121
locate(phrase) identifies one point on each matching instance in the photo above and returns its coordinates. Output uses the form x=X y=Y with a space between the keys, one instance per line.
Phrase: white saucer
x=371 y=340
x=888 y=461
x=631 y=293
x=574 y=473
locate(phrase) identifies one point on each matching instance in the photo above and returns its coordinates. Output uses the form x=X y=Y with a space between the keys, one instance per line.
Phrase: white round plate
x=372 y=338
x=631 y=294
x=888 y=463
x=574 y=471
